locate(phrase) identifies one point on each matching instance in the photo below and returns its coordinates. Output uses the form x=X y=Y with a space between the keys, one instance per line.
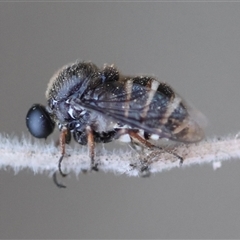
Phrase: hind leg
x=140 y=143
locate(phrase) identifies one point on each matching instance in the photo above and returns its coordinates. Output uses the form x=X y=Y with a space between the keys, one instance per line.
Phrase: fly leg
x=62 y=141
x=91 y=148
x=141 y=144
x=174 y=154
x=137 y=138
x=65 y=138
x=139 y=141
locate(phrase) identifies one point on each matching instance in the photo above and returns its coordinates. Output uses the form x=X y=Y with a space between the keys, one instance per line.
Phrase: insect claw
x=179 y=157
x=174 y=154
x=60 y=167
x=95 y=167
x=145 y=171
x=181 y=161
x=59 y=185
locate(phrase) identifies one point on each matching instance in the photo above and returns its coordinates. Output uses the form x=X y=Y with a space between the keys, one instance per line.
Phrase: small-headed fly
x=100 y=105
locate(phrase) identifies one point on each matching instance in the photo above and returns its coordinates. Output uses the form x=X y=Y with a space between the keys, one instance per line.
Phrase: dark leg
x=56 y=181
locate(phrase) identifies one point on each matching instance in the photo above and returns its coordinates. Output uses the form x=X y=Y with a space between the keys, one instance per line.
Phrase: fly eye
x=39 y=122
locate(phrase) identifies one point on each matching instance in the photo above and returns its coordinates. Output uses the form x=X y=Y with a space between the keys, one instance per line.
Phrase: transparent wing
x=156 y=112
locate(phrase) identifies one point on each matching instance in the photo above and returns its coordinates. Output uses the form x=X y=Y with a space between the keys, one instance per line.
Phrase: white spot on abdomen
x=154 y=137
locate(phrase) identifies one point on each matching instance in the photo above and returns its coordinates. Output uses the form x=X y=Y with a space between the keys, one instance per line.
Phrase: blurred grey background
x=195 y=47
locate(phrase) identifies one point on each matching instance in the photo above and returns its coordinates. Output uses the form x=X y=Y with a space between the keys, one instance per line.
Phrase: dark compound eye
x=39 y=122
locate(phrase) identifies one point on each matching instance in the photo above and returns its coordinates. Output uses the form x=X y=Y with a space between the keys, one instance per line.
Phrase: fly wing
x=146 y=104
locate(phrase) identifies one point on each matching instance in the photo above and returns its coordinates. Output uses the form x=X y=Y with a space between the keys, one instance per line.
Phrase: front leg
x=64 y=135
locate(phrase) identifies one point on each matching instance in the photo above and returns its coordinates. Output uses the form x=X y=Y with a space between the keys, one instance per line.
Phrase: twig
x=42 y=157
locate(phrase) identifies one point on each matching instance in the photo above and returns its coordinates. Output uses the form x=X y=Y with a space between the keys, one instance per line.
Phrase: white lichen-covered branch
x=21 y=153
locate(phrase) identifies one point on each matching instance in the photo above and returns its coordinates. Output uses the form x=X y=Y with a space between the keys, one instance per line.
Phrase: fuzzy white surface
x=20 y=153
